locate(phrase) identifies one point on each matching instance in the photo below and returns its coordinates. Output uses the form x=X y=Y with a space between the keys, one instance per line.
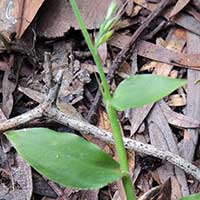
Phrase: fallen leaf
x=20 y=175
x=183 y=19
x=193 y=99
x=9 y=86
x=41 y=186
x=4 y=66
x=178 y=119
x=16 y=16
x=188 y=22
x=103 y=52
x=27 y=11
x=165 y=191
x=56 y=18
x=70 y=194
x=159 y=53
x=178 y=7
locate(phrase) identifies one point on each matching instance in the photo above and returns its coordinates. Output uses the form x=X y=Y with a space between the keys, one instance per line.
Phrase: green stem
x=117 y=134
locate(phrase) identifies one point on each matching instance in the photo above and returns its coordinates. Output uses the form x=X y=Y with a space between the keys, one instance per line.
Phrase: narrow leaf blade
x=65 y=158
x=192 y=197
x=139 y=90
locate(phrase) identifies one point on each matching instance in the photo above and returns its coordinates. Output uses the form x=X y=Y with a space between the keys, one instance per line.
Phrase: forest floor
x=161 y=37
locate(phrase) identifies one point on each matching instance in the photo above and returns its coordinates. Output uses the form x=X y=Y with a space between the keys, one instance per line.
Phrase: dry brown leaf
x=56 y=16
x=27 y=11
x=165 y=191
x=175 y=41
x=104 y=121
x=33 y=94
x=137 y=117
x=178 y=119
x=41 y=186
x=72 y=194
x=176 y=191
x=103 y=52
x=178 y=7
x=159 y=53
x=196 y=3
x=193 y=99
x=145 y=4
x=129 y=8
x=15 y=16
x=188 y=22
x=183 y=19
x=20 y=179
x=150 y=194
x=162 y=137
x=9 y=84
x=192 y=11
x=4 y=65
x=132 y=9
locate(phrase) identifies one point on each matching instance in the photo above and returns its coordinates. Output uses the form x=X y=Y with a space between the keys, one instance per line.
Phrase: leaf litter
x=169 y=46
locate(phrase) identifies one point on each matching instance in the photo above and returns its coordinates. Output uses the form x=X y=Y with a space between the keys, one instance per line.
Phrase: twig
x=94 y=107
x=86 y=128
x=24 y=118
x=48 y=71
x=155 y=31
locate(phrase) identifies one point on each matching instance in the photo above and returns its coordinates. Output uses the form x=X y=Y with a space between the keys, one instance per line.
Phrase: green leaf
x=65 y=158
x=139 y=90
x=192 y=197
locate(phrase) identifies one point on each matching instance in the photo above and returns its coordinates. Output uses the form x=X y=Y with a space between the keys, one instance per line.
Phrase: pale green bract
x=139 y=90
x=107 y=27
x=65 y=158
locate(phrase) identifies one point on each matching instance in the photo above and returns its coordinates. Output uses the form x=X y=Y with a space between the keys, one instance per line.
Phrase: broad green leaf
x=192 y=197
x=65 y=158
x=139 y=90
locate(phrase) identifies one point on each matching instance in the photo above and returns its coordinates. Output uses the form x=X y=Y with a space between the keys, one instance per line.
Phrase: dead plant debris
x=40 y=41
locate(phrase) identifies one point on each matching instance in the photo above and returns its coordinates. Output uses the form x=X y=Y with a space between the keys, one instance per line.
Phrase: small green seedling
x=74 y=162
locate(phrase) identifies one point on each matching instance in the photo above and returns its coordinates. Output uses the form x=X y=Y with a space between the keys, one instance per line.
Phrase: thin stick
x=24 y=118
x=86 y=128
